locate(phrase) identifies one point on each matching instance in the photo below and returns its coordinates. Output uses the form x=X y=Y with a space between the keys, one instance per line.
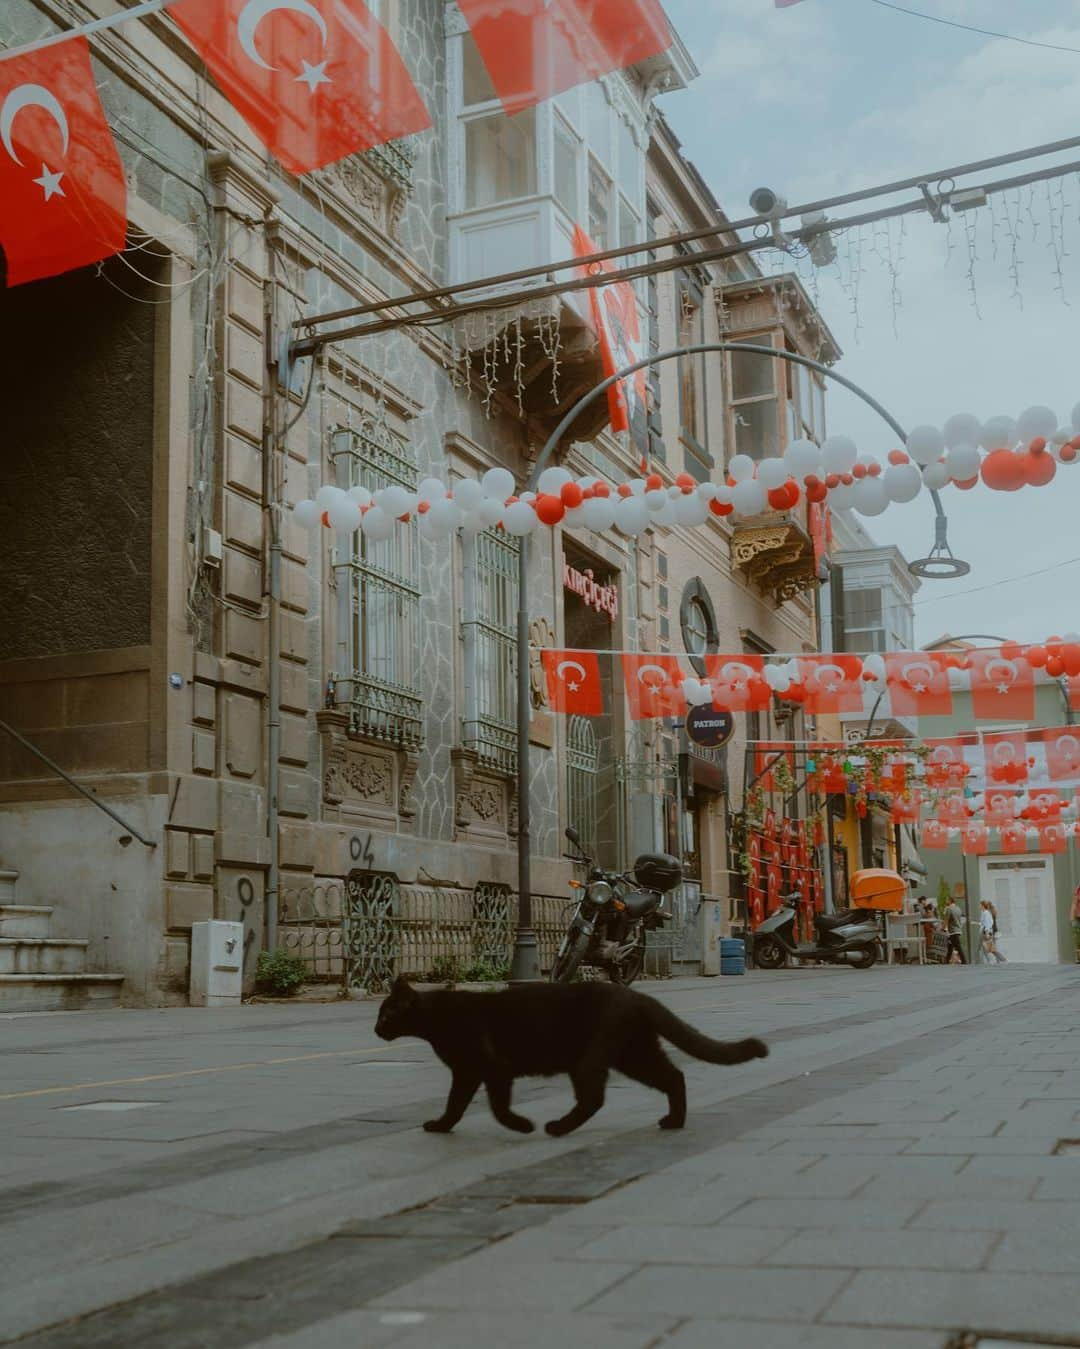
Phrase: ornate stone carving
x=484 y=801
x=775 y=557
x=541 y=635
x=409 y=764
x=464 y=763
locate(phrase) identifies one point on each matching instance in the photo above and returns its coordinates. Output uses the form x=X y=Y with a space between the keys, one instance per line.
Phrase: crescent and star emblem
x=35 y=96
x=571 y=684
x=918 y=667
x=836 y=677
x=1007 y=678
x=1004 y=753
x=247 y=27
x=1068 y=747
x=737 y=675
x=652 y=685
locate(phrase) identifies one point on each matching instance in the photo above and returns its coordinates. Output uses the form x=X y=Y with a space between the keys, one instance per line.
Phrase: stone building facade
x=307 y=727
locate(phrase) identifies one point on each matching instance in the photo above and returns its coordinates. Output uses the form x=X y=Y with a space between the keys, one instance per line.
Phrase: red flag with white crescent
x=1014 y=838
x=653 y=687
x=1002 y=685
x=833 y=683
x=1062 y=748
x=768 y=756
x=974 y=839
x=63 y=195
x=918 y=683
x=1006 y=757
x=573 y=682
x=738 y=683
x=945 y=764
x=534 y=49
x=999 y=807
x=1044 y=806
x=935 y=835
x=316 y=80
x=1052 y=838
x=952 y=809
x=614 y=315
x=905 y=808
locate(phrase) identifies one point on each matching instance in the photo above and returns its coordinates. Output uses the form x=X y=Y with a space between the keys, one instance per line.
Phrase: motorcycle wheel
x=630 y=969
x=864 y=957
x=769 y=954
x=570 y=955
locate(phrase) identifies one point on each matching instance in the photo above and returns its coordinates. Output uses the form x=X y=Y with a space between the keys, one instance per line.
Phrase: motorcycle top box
x=658 y=871
x=875 y=888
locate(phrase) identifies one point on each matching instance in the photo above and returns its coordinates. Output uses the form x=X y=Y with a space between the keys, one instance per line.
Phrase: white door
x=1022 y=891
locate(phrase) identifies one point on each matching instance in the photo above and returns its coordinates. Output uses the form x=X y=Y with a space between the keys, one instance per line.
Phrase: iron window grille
x=383 y=624
x=489 y=631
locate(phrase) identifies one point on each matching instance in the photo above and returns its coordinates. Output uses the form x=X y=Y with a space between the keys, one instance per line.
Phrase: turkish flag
x=952 y=809
x=753 y=852
x=935 y=835
x=738 y=683
x=767 y=756
x=534 y=49
x=755 y=906
x=1002 y=689
x=1000 y=807
x=1014 y=838
x=62 y=186
x=974 y=840
x=653 y=687
x=773 y=886
x=945 y=764
x=1052 y=838
x=316 y=80
x=1044 y=806
x=832 y=683
x=1062 y=753
x=918 y=684
x=1006 y=757
x=573 y=682
x=615 y=321
x=905 y=808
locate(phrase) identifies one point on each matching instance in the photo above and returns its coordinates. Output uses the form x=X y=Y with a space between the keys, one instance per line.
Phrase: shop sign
x=708 y=728
x=603 y=598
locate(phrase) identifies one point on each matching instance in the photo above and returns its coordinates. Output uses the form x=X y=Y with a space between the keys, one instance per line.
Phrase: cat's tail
x=683 y=1036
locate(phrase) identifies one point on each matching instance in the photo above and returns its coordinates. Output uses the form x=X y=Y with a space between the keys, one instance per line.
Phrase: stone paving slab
x=869 y=1249
x=748 y=1294
x=484 y=1282
x=730 y=1334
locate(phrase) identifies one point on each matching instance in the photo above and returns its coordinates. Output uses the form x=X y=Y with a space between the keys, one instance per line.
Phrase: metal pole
x=525 y=962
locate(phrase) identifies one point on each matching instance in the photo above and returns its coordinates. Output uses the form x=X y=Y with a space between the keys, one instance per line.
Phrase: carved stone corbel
x=409 y=763
x=464 y=763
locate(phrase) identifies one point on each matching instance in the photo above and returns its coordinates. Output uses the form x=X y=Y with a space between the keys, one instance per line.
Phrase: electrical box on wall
x=217 y=955
x=212 y=548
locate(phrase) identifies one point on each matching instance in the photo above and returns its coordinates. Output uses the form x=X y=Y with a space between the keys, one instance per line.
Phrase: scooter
x=846 y=938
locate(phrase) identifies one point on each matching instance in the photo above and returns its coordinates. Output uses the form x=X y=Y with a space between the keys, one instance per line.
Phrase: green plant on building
x=280 y=975
x=944 y=896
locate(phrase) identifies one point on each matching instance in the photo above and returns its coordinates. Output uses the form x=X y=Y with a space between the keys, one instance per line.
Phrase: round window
x=696 y=631
x=698 y=622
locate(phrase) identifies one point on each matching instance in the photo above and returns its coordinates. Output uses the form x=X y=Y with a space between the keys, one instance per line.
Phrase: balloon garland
x=1005 y=455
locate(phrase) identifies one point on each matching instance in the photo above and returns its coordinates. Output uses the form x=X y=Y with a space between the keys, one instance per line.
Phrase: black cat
x=539 y=1030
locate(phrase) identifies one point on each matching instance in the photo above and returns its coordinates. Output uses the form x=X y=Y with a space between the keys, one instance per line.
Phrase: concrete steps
x=42 y=973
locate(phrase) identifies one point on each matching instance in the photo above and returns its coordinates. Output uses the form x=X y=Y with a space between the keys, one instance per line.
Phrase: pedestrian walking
x=1075 y=915
x=988 y=924
x=954 y=926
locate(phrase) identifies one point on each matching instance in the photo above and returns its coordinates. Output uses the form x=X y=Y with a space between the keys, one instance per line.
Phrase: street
x=902 y=1167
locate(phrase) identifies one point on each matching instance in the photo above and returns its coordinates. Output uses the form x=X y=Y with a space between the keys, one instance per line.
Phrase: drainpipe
x=271 y=451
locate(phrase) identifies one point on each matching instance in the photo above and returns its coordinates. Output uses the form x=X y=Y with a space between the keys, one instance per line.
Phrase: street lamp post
x=525 y=964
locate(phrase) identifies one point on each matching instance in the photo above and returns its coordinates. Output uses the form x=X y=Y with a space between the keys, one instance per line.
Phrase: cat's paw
x=556 y=1128
x=436 y=1126
x=670 y=1122
x=758 y=1049
x=518 y=1123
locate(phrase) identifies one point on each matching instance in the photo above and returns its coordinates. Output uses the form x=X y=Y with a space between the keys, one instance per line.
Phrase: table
x=905 y=932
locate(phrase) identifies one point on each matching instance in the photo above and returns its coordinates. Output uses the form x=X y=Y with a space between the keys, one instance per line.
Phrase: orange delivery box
x=875 y=888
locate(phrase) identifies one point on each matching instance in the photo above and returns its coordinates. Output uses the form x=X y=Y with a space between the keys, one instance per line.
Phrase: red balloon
x=549 y=509
x=859 y=471
x=967 y=484
x=1037 y=656
x=778 y=498
x=833 y=480
x=899 y=457
x=847 y=479
x=818 y=493
x=1039 y=469
x=874 y=469
x=571 y=495
x=719 y=509
x=1003 y=471
x=625 y=490
x=326 y=519
x=811 y=480
x=1055 y=667
x=1070 y=656
x=685 y=481
x=1038 y=445
x=792 y=489
x=1068 y=452
x=653 y=482
x=1011 y=651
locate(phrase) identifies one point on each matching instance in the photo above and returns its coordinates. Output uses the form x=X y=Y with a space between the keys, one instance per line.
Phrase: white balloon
x=748 y=497
x=936 y=476
x=471 y=523
x=771 y=674
x=599 y=513
x=637 y=486
x=783 y=683
x=958 y=679
x=468 y=494
x=344 y=515
x=963 y=462
x=962 y=429
x=802 y=458
x=998 y=433
x=870 y=496
x=376 y=524
x=489 y=512
x=437 y=526
x=842 y=498
x=674 y=492
x=529 y=497
x=741 y=467
x=498 y=483
x=724 y=495
x=553 y=480
x=394 y=500
x=307 y=514
x=444 y=515
x=360 y=495
x=431 y=489
x=666 y=514
x=424 y=529
x=1036 y=421
x=327 y=494
x=575 y=517
x=655 y=498
x=631 y=515
x=902 y=482
x=691 y=510
x=874 y=665
x=707 y=491
x=839 y=454
x=772 y=473
x=519 y=519
x=1076 y=419
x=925 y=444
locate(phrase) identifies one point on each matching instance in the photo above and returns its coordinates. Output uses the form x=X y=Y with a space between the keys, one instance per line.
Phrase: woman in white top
x=988 y=924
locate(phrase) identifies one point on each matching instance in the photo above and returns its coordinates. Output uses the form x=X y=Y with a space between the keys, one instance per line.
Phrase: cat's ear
x=402 y=990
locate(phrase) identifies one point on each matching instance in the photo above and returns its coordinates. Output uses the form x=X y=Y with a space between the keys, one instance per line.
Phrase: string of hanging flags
x=315 y=80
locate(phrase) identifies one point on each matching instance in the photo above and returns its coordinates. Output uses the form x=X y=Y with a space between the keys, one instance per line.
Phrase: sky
x=829 y=96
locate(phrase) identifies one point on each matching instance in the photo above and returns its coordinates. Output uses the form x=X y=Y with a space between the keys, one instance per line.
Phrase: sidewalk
x=898 y=1170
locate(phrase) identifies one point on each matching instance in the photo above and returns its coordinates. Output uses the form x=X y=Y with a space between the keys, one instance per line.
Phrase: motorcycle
x=846 y=938
x=614 y=914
